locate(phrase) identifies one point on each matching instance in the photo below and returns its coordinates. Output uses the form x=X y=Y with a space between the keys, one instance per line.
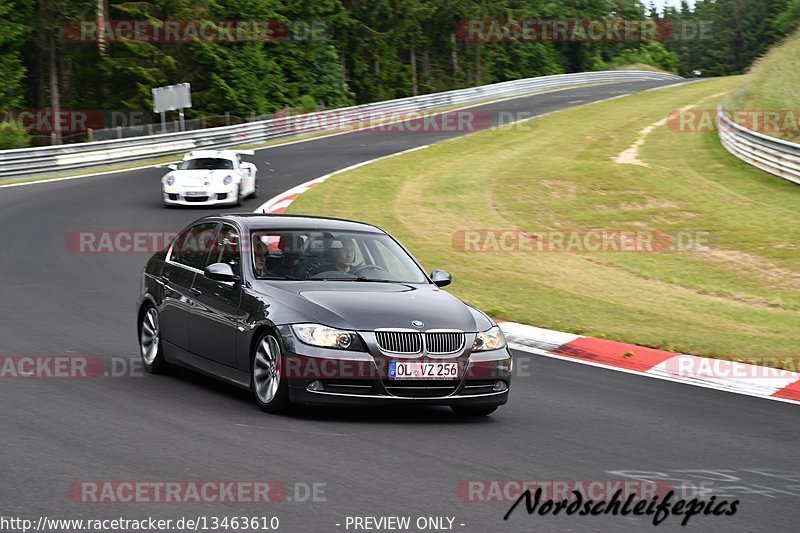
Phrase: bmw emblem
x=417 y=324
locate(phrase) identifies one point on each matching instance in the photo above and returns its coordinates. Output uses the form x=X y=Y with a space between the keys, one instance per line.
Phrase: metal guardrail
x=773 y=155
x=51 y=159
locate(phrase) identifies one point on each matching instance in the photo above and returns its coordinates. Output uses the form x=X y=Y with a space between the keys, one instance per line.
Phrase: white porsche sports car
x=210 y=177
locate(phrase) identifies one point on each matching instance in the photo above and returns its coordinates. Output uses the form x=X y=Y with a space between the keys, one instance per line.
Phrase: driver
x=340 y=257
x=343 y=257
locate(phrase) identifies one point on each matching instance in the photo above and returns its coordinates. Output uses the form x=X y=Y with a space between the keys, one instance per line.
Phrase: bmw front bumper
x=322 y=376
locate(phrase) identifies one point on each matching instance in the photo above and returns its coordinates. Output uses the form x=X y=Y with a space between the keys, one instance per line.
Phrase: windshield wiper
x=357 y=278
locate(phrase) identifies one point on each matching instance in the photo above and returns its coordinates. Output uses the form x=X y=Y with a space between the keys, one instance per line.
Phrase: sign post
x=170 y=98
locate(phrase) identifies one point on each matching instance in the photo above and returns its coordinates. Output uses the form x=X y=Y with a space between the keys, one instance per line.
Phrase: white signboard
x=172 y=97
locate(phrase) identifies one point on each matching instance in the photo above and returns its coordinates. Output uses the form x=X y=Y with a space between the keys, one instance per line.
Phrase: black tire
x=151 y=348
x=471 y=410
x=266 y=366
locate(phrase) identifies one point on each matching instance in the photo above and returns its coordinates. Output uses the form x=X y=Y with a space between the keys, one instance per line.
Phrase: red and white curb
x=731 y=376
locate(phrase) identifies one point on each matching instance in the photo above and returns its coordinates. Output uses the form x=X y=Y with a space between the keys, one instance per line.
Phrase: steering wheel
x=359 y=270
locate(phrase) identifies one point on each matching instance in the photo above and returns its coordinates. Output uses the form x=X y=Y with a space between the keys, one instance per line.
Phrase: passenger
x=292 y=264
x=260 y=253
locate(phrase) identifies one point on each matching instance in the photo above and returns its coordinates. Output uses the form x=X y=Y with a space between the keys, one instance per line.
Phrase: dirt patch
x=631 y=155
x=649 y=204
x=750 y=301
x=754 y=264
x=560 y=188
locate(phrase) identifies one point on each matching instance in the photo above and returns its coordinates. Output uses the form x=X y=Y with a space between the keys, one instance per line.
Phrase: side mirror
x=220 y=272
x=441 y=278
x=173 y=166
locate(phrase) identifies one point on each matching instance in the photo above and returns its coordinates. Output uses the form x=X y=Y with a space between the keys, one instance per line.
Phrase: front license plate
x=401 y=370
x=195 y=193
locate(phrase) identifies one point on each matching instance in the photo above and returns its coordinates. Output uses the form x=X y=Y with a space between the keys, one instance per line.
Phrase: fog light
x=315 y=386
x=499 y=386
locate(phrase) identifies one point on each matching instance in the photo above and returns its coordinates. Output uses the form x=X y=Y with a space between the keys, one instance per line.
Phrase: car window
x=191 y=246
x=226 y=249
x=331 y=255
x=392 y=261
x=206 y=163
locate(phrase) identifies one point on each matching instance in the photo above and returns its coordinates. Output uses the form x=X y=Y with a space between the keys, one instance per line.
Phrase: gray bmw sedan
x=307 y=310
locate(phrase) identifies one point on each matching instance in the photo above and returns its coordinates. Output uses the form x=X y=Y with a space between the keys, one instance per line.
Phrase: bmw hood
x=369 y=306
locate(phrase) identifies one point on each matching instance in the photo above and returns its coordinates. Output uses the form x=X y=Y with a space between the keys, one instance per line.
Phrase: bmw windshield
x=326 y=255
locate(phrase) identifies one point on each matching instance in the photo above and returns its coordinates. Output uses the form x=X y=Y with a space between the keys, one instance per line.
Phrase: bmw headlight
x=170 y=180
x=491 y=339
x=227 y=180
x=326 y=337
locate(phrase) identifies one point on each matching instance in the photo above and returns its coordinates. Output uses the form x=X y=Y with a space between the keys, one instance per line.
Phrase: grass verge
x=772 y=85
x=737 y=296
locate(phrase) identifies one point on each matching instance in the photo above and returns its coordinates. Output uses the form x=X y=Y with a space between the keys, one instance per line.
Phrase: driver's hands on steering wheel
x=357 y=271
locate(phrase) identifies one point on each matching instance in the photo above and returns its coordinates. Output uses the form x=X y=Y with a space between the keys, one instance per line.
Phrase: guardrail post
x=119 y=132
x=89 y=132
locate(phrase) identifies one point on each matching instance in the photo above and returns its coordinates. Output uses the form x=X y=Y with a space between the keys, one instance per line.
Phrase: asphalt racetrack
x=564 y=421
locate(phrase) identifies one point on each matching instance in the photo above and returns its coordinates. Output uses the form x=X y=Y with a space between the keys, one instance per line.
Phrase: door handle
x=196 y=291
x=164 y=282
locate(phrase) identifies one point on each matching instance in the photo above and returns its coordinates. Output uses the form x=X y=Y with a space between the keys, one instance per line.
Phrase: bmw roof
x=257 y=221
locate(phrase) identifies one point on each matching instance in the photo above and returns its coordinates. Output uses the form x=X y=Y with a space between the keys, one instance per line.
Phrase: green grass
x=773 y=84
x=738 y=298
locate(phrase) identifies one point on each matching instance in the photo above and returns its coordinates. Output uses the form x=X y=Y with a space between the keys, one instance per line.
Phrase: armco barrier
x=770 y=154
x=51 y=159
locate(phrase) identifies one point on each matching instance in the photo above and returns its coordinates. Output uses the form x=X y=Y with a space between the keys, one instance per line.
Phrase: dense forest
x=328 y=53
